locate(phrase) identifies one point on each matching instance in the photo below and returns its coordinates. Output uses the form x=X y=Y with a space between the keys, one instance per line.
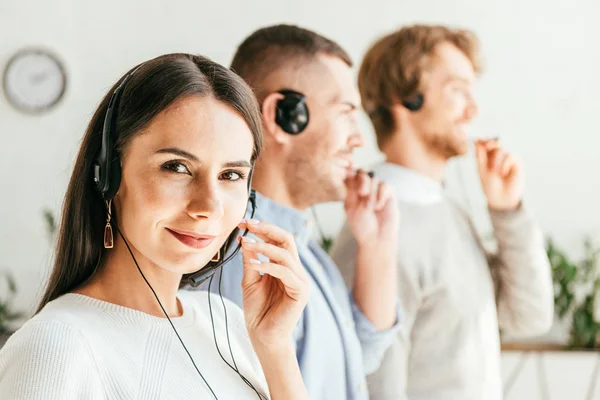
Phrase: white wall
x=539 y=93
x=550 y=375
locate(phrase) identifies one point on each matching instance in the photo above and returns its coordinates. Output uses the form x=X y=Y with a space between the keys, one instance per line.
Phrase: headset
x=106 y=170
x=292 y=112
x=415 y=103
x=209 y=270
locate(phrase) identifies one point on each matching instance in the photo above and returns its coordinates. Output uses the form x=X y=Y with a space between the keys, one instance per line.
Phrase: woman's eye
x=232 y=176
x=176 y=167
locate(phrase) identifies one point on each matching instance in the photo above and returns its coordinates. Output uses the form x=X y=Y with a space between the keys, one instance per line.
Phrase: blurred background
x=537 y=94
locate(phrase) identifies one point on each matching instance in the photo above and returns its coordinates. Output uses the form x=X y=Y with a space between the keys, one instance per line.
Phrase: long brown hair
x=153 y=87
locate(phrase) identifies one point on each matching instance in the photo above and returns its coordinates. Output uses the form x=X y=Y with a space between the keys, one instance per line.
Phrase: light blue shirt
x=336 y=345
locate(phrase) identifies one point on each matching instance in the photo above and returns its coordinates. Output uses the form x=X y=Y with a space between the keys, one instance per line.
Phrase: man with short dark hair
x=309 y=100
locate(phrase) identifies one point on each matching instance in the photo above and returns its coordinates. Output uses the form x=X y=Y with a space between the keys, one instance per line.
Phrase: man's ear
x=399 y=113
x=269 y=113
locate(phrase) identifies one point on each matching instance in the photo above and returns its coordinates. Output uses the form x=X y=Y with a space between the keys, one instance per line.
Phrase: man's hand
x=501 y=176
x=371 y=209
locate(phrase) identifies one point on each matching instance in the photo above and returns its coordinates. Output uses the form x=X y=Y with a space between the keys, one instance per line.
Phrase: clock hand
x=40 y=77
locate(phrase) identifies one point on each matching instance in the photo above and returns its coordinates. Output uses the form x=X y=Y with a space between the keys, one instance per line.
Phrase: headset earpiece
x=292 y=112
x=414 y=103
x=107 y=164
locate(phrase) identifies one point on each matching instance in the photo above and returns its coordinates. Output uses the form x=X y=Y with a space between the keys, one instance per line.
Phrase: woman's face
x=184 y=185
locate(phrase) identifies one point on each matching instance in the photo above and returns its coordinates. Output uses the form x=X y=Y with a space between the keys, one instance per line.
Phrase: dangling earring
x=108 y=233
x=217 y=256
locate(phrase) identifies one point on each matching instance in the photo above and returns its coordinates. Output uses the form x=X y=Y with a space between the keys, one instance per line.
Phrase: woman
x=172 y=189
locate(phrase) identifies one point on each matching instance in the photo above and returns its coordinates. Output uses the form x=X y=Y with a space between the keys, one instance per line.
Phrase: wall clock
x=34 y=80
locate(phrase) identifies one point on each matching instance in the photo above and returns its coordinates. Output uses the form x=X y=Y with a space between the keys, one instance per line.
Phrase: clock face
x=34 y=80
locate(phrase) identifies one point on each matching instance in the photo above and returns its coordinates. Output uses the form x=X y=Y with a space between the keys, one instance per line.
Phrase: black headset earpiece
x=107 y=164
x=292 y=112
x=414 y=103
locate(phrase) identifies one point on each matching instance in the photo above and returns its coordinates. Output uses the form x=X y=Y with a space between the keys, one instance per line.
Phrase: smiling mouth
x=192 y=240
x=343 y=162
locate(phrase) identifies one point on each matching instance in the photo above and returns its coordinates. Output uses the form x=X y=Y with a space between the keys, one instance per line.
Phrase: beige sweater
x=455 y=296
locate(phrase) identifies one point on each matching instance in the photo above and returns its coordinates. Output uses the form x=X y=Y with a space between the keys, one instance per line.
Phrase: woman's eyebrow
x=179 y=152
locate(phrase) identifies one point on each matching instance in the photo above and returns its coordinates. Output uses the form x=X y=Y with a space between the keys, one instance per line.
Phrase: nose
x=205 y=202
x=472 y=108
x=355 y=139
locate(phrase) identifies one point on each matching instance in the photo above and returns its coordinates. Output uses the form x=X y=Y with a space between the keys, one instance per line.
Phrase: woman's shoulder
x=37 y=358
x=62 y=328
x=69 y=312
x=56 y=327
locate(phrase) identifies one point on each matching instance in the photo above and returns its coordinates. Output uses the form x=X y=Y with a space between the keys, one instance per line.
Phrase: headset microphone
x=208 y=271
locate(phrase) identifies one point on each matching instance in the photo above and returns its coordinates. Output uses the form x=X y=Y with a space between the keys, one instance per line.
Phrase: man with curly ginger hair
x=416 y=86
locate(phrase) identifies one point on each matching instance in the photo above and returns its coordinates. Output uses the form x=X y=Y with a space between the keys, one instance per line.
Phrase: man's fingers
x=364 y=184
x=384 y=193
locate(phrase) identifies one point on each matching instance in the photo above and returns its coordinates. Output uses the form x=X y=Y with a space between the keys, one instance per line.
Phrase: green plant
x=7 y=315
x=326 y=243
x=50 y=222
x=576 y=287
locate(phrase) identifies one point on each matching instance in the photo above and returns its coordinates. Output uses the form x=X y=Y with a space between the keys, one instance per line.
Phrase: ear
x=269 y=112
x=400 y=114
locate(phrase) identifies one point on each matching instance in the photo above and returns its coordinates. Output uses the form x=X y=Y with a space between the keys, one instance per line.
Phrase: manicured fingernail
x=254 y=261
x=248 y=239
x=243 y=221
x=253 y=221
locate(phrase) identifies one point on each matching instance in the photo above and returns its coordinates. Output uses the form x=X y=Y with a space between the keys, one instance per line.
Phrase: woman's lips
x=191 y=239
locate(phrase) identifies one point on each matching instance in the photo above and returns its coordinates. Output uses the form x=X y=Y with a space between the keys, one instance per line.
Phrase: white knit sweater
x=78 y=347
x=454 y=294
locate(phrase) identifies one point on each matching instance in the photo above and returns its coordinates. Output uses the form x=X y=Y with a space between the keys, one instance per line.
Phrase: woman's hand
x=273 y=302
